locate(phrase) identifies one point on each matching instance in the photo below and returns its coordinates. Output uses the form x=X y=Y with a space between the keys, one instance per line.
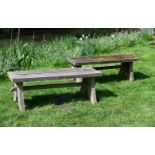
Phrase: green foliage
x=123 y=40
x=87 y=47
x=146 y=34
x=24 y=55
x=16 y=57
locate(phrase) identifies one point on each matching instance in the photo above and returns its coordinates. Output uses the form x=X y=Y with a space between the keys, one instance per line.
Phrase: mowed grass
x=120 y=102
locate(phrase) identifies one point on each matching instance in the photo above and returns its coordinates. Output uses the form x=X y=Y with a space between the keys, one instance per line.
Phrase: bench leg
x=124 y=68
x=130 y=72
x=78 y=80
x=91 y=90
x=84 y=84
x=127 y=69
x=20 y=95
x=15 y=93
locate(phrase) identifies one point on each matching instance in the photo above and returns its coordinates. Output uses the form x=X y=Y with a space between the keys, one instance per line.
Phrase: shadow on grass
x=119 y=77
x=140 y=76
x=61 y=99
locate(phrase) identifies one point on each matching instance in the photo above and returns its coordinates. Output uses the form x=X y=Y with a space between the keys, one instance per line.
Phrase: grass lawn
x=120 y=102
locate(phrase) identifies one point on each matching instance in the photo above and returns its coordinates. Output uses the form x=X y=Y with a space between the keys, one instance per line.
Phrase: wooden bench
x=126 y=61
x=88 y=83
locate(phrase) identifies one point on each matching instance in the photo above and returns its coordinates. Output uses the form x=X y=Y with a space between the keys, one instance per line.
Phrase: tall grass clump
x=55 y=51
x=123 y=40
x=17 y=56
x=146 y=34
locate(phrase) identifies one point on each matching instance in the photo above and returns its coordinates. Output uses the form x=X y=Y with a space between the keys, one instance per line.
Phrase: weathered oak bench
x=88 y=83
x=126 y=61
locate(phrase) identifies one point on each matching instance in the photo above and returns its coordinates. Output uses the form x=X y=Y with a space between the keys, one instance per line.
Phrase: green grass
x=120 y=102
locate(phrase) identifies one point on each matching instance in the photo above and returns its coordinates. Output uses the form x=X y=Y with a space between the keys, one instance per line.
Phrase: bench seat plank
x=78 y=61
x=24 y=76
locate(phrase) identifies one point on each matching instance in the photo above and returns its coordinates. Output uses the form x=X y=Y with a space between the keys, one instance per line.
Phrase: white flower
x=112 y=36
x=80 y=39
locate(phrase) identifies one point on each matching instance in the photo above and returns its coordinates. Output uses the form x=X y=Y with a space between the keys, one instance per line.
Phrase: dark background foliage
x=40 y=33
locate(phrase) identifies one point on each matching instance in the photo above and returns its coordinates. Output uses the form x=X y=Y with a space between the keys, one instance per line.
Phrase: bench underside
x=48 y=86
x=87 y=86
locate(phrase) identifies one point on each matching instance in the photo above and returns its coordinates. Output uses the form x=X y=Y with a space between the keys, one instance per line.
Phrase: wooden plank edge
x=48 y=86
